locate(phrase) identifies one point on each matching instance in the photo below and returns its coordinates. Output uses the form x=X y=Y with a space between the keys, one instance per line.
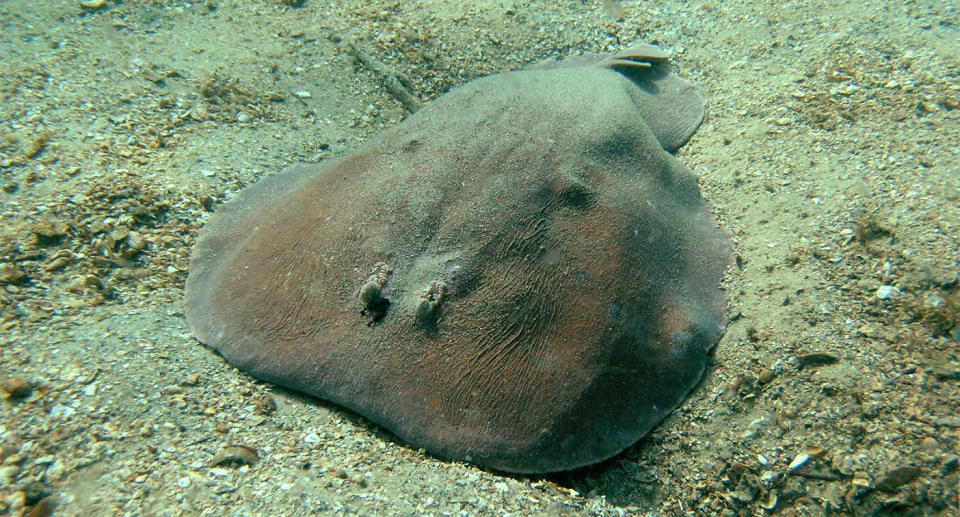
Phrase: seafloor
x=831 y=150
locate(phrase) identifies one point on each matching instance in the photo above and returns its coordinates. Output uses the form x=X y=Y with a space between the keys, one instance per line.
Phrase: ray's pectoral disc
x=520 y=275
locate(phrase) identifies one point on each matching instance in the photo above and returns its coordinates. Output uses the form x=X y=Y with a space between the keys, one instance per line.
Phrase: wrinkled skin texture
x=520 y=275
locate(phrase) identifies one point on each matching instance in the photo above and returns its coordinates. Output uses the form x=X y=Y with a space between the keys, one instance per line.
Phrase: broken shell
x=235 y=455
x=639 y=56
x=50 y=232
x=136 y=241
x=83 y=283
x=799 y=461
x=59 y=260
x=51 y=229
x=771 y=502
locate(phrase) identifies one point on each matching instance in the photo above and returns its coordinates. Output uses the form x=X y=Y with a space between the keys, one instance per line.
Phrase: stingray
x=520 y=275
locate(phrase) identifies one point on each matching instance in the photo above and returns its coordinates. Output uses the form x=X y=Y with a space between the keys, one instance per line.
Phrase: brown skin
x=570 y=265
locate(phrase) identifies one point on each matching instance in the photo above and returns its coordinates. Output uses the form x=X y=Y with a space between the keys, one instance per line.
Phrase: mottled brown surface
x=519 y=275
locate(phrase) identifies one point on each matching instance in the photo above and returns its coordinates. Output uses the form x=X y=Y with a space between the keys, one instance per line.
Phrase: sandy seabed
x=831 y=150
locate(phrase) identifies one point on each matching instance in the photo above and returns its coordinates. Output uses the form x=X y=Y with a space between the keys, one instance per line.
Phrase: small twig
x=822 y=476
x=409 y=101
x=397 y=84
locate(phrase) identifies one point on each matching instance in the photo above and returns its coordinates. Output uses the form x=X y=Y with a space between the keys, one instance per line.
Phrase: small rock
x=947 y=372
x=948 y=421
x=930 y=444
x=950 y=466
x=45 y=460
x=766 y=376
x=11 y=274
x=54 y=472
x=898 y=477
x=14 y=503
x=16 y=387
x=7 y=450
x=264 y=405
x=45 y=507
x=885 y=292
x=312 y=439
x=60 y=411
x=34 y=492
x=243 y=117
x=8 y=472
x=171 y=390
x=191 y=380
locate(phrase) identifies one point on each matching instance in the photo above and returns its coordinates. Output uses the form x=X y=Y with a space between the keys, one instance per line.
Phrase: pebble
x=45 y=460
x=9 y=472
x=146 y=430
x=16 y=387
x=930 y=444
x=243 y=117
x=766 y=375
x=312 y=439
x=191 y=380
x=886 y=292
x=264 y=405
x=54 y=471
x=171 y=389
x=61 y=411
x=898 y=477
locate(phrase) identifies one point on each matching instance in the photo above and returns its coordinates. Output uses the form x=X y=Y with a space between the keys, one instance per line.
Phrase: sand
x=829 y=150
